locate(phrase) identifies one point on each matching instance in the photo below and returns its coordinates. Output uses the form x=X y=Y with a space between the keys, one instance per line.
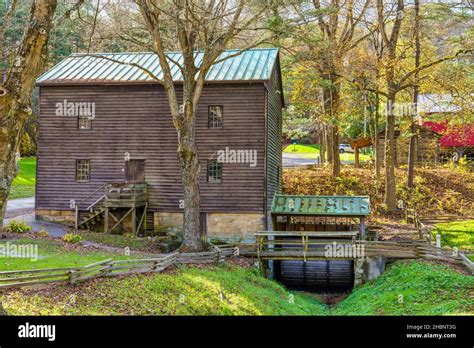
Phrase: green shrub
x=43 y=233
x=72 y=238
x=16 y=226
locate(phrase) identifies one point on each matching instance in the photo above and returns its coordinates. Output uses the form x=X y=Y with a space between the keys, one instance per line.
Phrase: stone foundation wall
x=236 y=226
x=64 y=216
x=165 y=220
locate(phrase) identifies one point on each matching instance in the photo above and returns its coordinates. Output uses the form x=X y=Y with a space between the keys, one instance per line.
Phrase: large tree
x=397 y=78
x=322 y=33
x=199 y=27
x=16 y=91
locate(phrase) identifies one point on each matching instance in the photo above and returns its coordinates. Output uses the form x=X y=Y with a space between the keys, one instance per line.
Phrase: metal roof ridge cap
x=78 y=54
x=289 y=195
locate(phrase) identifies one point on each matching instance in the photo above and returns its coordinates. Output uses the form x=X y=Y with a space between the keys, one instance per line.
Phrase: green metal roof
x=321 y=205
x=249 y=65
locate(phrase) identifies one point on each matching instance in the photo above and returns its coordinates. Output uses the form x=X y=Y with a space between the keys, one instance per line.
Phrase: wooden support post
x=123 y=218
x=438 y=243
x=76 y=207
x=362 y=227
x=106 y=220
x=274 y=223
x=305 y=246
x=356 y=155
x=288 y=223
x=134 y=220
x=144 y=222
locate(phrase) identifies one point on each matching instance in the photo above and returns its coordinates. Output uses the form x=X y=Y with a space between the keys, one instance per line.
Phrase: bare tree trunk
x=329 y=143
x=336 y=165
x=16 y=92
x=390 y=41
x=190 y=170
x=8 y=171
x=333 y=98
x=322 y=147
x=390 y=185
x=411 y=149
x=376 y=141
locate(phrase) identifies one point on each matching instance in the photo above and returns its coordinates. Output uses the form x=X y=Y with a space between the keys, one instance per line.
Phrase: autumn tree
x=398 y=78
x=16 y=90
x=322 y=33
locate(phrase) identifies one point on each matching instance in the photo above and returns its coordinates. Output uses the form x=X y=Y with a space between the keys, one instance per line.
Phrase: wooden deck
x=115 y=202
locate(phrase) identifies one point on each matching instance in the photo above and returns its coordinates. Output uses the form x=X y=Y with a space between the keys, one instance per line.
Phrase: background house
x=427 y=147
x=437 y=113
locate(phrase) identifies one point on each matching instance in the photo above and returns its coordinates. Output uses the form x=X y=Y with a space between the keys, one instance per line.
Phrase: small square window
x=82 y=170
x=214 y=171
x=215 y=116
x=84 y=122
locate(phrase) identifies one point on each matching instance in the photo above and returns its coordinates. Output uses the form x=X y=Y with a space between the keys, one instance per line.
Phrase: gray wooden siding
x=274 y=140
x=136 y=119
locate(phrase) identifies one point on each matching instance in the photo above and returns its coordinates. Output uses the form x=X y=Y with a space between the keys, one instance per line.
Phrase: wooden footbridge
x=324 y=240
x=306 y=246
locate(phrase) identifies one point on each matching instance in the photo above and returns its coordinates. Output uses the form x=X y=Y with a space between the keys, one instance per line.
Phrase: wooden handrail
x=90 y=195
x=305 y=233
x=76 y=205
x=95 y=203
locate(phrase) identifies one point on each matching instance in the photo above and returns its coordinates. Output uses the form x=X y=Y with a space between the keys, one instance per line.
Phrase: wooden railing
x=411 y=216
x=113 y=195
x=125 y=194
x=77 y=205
x=305 y=246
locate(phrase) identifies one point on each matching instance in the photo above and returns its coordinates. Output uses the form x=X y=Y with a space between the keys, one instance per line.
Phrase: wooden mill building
x=107 y=143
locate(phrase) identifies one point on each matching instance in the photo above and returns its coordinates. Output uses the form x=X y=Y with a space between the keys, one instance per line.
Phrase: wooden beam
x=362 y=226
x=123 y=218
x=356 y=155
x=106 y=220
x=134 y=220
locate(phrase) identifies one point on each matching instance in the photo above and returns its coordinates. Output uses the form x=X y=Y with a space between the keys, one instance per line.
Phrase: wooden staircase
x=91 y=218
x=118 y=201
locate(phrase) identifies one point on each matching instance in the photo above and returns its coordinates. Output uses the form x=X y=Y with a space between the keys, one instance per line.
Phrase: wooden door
x=135 y=171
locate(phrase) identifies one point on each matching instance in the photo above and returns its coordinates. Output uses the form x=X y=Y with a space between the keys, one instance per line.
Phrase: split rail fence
x=111 y=268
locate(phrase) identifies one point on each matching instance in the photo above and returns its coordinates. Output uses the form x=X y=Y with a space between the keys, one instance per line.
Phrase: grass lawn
x=128 y=240
x=406 y=288
x=303 y=149
x=223 y=290
x=312 y=151
x=24 y=184
x=52 y=254
x=457 y=234
x=412 y=288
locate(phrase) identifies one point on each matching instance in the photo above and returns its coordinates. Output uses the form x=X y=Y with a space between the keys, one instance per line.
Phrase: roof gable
x=248 y=65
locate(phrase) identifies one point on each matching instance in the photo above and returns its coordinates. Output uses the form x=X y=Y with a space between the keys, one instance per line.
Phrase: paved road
x=295 y=160
x=54 y=229
x=23 y=209
x=21 y=203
